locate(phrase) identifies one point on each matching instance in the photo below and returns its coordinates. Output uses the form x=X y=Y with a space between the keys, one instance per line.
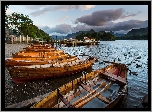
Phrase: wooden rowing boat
x=39 y=48
x=51 y=53
x=38 y=54
x=22 y=57
x=22 y=62
x=22 y=74
x=29 y=66
x=102 y=88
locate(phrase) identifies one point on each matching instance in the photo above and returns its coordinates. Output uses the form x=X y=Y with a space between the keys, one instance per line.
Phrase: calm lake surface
x=134 y=53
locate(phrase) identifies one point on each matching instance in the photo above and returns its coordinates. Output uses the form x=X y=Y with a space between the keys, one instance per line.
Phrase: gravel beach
x=9 y=49
x=13 y=48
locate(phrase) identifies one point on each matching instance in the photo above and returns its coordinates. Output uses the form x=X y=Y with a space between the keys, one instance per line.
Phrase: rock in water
x=145 y=101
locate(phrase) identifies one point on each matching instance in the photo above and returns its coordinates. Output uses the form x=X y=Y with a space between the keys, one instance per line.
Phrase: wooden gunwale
x=41 y=57
x=40 y=53
x=15 y=71
x=15 y=62
x=91 y=93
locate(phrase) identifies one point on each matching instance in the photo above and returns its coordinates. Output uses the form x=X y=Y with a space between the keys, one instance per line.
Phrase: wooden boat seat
x=100 y=97
x=116 y=77
x=87 y=95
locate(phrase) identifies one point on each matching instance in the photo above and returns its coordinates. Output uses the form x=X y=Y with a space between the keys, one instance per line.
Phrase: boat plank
x=87 y=88
x=100 y=97
x=120 y=79
x=75 y=94
x=84 y=97
x=83 y=102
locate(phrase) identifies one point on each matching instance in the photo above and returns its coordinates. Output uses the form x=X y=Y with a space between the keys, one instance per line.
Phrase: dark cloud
x=99 y=18
x=127 y=25
x=129 y=15
x=102 y=17
x=110 y=26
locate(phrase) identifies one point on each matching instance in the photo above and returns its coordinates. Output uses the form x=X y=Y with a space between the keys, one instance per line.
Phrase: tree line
x=22 y=25
x=101 y=35
x=135 y=37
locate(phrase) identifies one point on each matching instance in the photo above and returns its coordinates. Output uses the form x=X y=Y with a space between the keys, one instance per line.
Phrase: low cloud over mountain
x=124 y=26
x=99 y=20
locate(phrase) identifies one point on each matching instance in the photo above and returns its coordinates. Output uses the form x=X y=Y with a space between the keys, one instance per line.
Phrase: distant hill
x=119 y=35
x=116 y=34
x=135 y=32
x=58 y=37
x=73 y=35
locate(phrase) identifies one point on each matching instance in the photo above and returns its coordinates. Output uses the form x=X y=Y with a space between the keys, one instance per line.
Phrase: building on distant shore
x=11 y=37
x=86 y=39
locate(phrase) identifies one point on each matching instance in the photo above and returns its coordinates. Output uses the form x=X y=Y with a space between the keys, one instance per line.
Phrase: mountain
x=58 y=37
x=119 y=35
x=135 y=32
x=73 y=35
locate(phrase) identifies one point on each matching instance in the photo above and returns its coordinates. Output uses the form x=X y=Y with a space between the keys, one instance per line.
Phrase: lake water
x=134 y=53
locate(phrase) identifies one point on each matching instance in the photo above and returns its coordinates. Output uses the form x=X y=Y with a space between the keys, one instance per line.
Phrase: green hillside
x=135 y=32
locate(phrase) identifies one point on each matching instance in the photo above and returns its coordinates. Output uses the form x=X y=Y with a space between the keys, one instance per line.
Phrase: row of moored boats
x=105 y=86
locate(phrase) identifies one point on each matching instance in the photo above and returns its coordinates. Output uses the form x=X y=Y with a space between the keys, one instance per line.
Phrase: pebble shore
x=9 y=49
x=13 y=48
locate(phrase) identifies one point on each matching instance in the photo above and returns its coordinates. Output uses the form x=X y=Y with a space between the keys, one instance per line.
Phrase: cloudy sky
x=67 y=19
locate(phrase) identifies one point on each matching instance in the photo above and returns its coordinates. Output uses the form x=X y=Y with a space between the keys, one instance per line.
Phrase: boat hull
x=29 y=79
x=16 y=62
x=23 y=74
x=92 y=87
x=118 y=98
